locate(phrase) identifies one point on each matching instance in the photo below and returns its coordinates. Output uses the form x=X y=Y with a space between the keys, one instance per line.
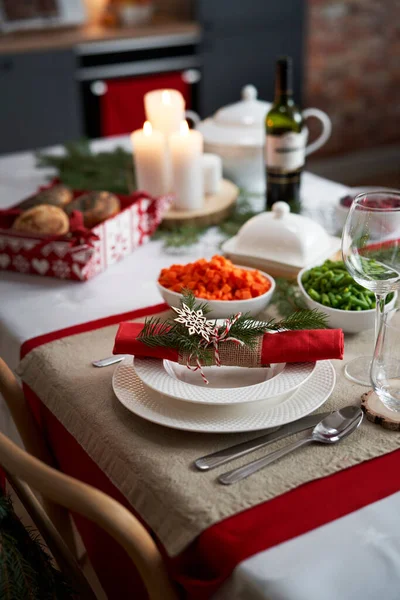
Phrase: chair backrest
x=79 y=497
x=34 y=443
x=96 y=506
x=65 y=559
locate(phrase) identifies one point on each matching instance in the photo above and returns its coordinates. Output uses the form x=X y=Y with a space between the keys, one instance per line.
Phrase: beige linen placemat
x=151 y=465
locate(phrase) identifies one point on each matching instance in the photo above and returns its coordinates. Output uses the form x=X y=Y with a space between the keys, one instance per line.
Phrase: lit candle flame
x=184 y=128
x=166 y=97
x=147 y=128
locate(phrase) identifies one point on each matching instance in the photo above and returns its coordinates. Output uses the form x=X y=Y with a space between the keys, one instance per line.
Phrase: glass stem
x=380 y=317
x=380 y=314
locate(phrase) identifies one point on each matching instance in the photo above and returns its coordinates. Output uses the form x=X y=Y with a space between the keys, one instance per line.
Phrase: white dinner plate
x=227 y=385
x=152 y=406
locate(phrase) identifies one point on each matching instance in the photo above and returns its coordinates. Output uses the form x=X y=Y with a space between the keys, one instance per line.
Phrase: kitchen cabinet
x=39 y=101
x=241 y=41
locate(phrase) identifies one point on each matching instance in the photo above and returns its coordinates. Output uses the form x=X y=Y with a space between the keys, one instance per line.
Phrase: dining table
x=332 y=535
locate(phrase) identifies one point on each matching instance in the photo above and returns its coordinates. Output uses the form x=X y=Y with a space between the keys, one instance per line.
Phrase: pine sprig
x=301 y=319
x=180 y=237
x=27 y=571
x=287 y=297
x=189 y=235
x=82 y=169
x=192 y=302
x=246 y=329
x=190 y=345
x=156 y=332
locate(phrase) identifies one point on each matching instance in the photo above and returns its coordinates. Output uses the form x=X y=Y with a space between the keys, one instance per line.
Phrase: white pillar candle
x=212 y=173
x=165 y=109
x=186 y=149
x=151 y=161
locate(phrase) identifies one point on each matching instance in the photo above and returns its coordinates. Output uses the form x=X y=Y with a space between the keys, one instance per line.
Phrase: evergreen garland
x=287 y=297
x=26 y=569
x=82 y=169
x=188 y=235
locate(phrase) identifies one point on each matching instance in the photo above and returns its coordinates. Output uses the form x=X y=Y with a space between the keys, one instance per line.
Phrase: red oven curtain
x=122 y=106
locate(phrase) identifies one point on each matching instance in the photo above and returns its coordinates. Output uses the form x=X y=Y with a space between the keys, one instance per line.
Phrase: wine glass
x=385 y=369
x=371 y=253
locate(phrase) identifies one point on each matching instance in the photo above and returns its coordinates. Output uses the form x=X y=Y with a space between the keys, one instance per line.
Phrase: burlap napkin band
x=231 y=355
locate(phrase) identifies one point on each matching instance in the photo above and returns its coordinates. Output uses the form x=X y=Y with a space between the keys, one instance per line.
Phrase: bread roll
x=96 y=207
x=43 y=219
x=58 y=195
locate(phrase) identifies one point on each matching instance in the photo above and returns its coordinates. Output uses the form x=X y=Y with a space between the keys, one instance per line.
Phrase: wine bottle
x=285 y=142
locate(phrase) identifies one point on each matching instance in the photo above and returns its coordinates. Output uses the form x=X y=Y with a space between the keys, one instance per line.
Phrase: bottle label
x=286 y=152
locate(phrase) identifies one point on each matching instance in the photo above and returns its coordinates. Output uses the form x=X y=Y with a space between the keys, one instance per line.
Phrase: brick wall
x=353 y=70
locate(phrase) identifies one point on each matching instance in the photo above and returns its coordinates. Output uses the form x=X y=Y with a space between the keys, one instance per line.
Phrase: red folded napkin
x=286 y=346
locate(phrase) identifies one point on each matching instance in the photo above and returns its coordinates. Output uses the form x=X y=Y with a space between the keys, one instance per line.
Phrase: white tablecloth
x=349 y=558
x=31 y=306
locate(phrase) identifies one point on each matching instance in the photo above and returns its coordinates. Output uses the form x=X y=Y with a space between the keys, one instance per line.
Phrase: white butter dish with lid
x=281 y=242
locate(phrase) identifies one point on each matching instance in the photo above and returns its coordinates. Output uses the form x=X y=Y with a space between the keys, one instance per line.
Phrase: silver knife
x=111 y=360
x=210 y=461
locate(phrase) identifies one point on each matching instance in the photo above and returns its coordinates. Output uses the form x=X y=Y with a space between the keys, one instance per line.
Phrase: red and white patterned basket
x=89 y=252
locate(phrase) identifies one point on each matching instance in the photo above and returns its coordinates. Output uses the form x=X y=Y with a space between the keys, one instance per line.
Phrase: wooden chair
x=25 y=471
x=34 y=443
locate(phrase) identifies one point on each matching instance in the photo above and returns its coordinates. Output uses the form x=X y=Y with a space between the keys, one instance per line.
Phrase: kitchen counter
x=89 y=39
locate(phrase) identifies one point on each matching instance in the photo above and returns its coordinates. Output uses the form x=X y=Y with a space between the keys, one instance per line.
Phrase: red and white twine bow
x=217 y=337
x=214 y=340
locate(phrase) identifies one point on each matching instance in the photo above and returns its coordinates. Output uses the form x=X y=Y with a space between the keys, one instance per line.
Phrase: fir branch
x=26 y=569
x=193 y=303
x=188 y=235
x=82 y=169
x=156 y=332
x=170 y=334
x=242 y=212
x=179 y=237
x=301 y=319
x=246 y=329
x=21 y=573
x=190 y=344
x=287 y=297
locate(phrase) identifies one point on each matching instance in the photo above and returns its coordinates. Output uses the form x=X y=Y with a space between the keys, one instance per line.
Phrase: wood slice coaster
x=216 y=208
x=376 y=412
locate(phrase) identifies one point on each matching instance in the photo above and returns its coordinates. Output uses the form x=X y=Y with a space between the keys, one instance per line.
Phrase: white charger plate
x=227 y=385
x=154 y=407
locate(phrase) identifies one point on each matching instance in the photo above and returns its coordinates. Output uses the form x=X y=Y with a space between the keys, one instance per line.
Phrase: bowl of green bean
x=347 y=305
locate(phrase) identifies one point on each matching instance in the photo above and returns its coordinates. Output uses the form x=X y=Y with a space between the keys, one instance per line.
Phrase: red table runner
x=211 y=558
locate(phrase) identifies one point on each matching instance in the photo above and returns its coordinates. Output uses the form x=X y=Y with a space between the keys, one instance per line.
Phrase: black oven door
x=113 y=80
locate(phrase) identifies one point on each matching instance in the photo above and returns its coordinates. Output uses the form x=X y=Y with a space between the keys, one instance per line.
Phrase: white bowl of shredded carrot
x=227 y=288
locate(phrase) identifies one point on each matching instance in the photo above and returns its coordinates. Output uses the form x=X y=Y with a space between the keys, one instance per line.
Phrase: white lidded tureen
x=237 y=134
x=281 y=242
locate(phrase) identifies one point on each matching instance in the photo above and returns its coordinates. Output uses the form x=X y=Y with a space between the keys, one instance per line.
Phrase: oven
x=114 y=75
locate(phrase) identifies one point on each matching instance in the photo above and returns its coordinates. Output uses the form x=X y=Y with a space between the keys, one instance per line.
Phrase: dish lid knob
x=280 y=209
x=249 y=92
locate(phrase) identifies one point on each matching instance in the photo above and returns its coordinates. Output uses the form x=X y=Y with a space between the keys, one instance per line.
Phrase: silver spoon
x=330 y=430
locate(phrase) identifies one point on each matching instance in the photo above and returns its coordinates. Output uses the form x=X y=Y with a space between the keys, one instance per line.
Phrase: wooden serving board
x=216 y=208
x=376 y=412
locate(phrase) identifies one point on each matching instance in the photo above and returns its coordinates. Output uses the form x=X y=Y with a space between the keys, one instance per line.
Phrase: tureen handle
x=249 y=92
x=280 y=209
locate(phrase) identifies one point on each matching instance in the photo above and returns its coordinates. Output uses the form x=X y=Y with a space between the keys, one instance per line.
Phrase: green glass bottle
x=285 y=142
